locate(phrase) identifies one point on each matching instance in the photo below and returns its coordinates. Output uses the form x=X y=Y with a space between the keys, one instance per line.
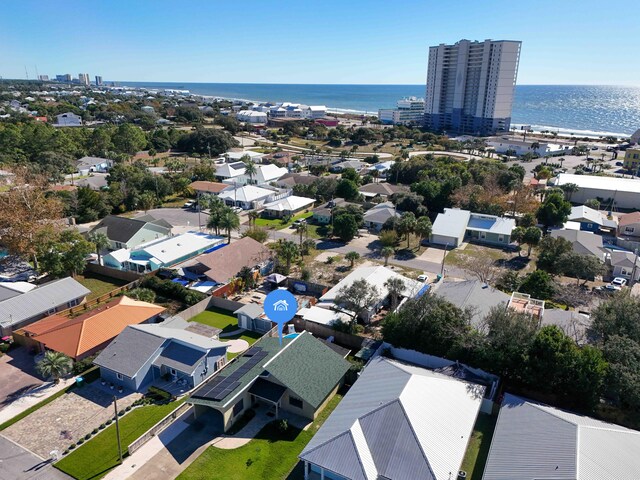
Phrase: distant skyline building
x=83 y=78
x=64 y=78
x=43 y=78
x=408 y=111
x=98 y=80
x=470 y=86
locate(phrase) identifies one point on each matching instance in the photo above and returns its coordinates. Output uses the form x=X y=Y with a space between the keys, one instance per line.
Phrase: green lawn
x=476 y=456
x=270 y=456
x=95 y=458
x=277 y=223
x=218 y=318
x=99 y=284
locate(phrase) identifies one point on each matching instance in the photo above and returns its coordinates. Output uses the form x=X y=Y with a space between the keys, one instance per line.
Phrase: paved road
x=18 y=373
x=17 y=463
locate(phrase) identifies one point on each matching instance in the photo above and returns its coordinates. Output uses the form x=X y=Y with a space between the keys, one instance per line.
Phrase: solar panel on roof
x=205 y=390
x=252 y=351
x=222 y=394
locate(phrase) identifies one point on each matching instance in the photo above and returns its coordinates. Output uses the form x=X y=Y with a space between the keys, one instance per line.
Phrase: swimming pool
x=291 y=335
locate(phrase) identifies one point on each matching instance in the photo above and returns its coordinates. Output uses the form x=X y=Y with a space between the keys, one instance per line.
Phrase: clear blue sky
x=312 y=41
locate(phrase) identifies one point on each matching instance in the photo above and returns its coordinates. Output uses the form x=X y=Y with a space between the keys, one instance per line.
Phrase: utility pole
x=115 y=407
x=446 y=247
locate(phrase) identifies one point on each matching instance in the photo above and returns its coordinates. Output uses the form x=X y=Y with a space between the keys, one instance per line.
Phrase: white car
x=423 y=278
x=619 y=282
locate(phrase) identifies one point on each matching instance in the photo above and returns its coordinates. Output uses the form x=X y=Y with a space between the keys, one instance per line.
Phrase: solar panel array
x=221 y=386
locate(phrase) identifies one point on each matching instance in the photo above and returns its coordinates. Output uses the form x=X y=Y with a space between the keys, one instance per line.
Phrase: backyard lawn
x=271 y=455
x=277 y=223
x=478 y=449
x=222 y=319
x=99 y=284
x=96 y=457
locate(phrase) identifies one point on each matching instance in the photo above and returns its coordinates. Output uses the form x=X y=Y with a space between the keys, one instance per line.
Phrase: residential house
x=455 y=226
x=247 y=197
x=632 y=159
x=591 y=220
x=287 y=206
x=252 y=317
x=87 y=165
x=629 y=226
x=321 y=316
x=13 y=289
x=125 y=232
x=322 y=214
x=83 y=336
x=300 y=376
x=210 y=188
x=255 y=157
x=224 y=264
x=145 y=354
x=624 y=264
x=68 y=120
x=521 y=147
x=534 y=441
x=164 y=253
x=584 y=243
x=398 y=421
x=250 y=116
x=382 y=168
x=290 y=180
x=265 y=174
x=573 y=323
x=357 y=165
x=375 y=276
x=472 y=294
x=381 y=190
x=377 y=216
x=21 y=310
x=229 y=172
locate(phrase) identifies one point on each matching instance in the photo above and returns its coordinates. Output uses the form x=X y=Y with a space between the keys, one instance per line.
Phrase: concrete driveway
x=17 y=463
x=17 y=375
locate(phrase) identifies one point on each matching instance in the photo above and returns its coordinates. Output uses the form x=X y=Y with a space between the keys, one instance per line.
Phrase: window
x=295 y=402
x=173 y=371
x=624 y=271
x=220 y=363
x=501 y=238
x=589 y=225
x=119 y=376
x=73 y=303
x=238 y=407
x=51 y=311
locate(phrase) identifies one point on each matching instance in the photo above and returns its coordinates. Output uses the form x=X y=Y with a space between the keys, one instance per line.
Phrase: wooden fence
x=89 y=304
x=125 y=275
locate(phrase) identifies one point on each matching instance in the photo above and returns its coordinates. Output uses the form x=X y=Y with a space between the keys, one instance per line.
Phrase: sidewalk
x=33 y=397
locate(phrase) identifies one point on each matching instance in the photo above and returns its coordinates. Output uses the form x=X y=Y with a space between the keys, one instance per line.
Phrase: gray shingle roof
x=40 y=300
x=180 y=357
x=474 y=294
x=536 y=441
x=121 y=229
x=584 y=243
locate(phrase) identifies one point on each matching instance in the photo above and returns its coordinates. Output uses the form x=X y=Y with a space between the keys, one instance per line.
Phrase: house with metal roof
x=455 y=226
x=144 y=354
x=125 y=232
x=623 y=193
x=87 y=165
x=290 y=205
x=300 y=376
x=375 y=276
x=398 y=421
x=535 y=441
x=164 y=253
x=381 y=189
x=21 y=310
x=591 y=220
x=89 y=333
x=247 y=196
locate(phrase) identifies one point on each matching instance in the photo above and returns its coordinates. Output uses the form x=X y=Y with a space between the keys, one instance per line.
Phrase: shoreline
x=561 y=131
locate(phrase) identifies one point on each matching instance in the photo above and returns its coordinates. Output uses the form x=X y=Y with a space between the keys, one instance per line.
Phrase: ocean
x=566 y=109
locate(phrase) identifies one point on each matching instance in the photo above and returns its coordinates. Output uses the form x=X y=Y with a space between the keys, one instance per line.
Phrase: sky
x=311 y=41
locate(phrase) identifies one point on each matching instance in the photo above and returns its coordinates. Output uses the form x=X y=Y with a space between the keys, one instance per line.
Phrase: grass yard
x=99 y=284
x=95 y=458
x=457 y=256
x=218 y=318
x=272 y=455
x=476 y=456
x=277 y=223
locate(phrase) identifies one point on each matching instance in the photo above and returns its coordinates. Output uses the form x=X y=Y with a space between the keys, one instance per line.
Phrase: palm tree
x=423 y=228
x=352 y=257
x=101 y=241
x=535 y=146
x=407 y=225
x=249 y=167
x=216 y=209
x=569 y=189
x=288 y=250
x=561 y=160
x=55 y=365
x=147 y=201
x=301 y=229
x=229 y=221
x=253 y=216
x=386 y=252
x=395 y=286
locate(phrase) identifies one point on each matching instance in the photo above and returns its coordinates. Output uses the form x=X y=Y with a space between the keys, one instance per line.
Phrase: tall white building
x=408 y=111
x=98 y=80
x=84 y=78
x=470 y=86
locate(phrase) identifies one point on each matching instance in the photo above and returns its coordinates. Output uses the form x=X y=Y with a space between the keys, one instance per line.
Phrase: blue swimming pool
x=291 y=335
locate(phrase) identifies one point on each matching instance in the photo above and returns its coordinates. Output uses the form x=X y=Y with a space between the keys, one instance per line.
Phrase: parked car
x=188 y=204
x=237 y=209
x=619 y=164
x=619 y=282
x=300 y=221
x=608 y=288
x=423 y=278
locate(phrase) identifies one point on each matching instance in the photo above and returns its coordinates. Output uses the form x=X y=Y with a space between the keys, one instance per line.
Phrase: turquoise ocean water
x=579 y=109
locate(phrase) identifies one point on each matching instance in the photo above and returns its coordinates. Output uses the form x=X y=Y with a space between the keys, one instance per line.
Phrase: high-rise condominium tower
x=470 y=86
